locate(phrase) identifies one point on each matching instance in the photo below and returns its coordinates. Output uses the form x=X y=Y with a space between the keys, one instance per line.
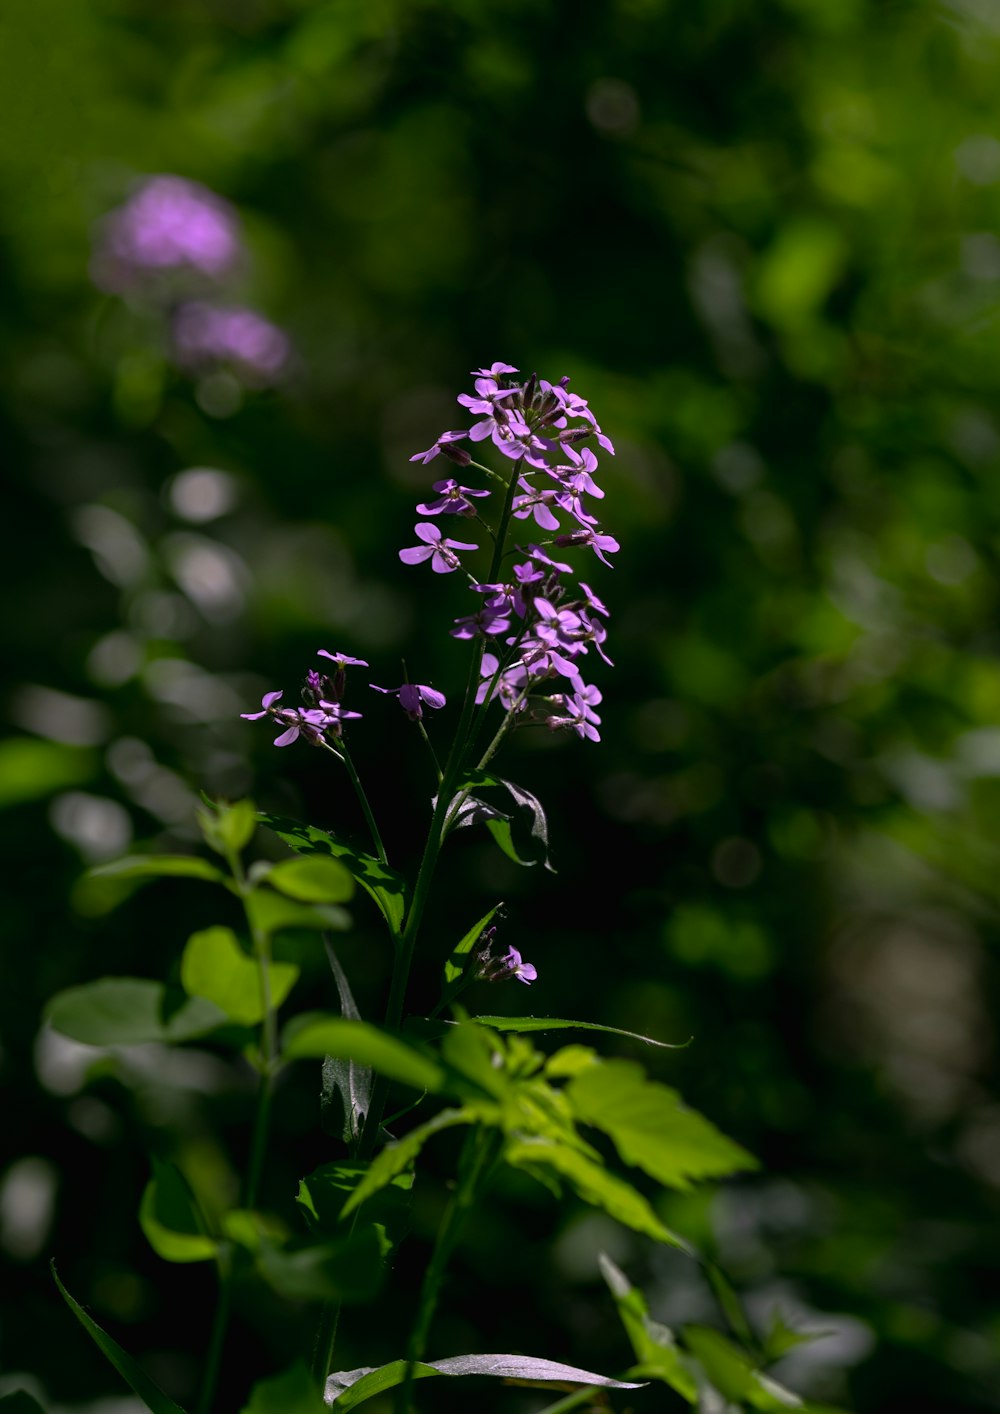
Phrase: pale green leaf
x=656 y=1351
x=650 y=1127
x=214 y=966
x=155 y=866
x=318 y=1034
x=454 y=967
x=123 y=1011
x=169 y=1217
x=594 y=1183
x=271 y=913
x=314 y=879
x=131 y=1372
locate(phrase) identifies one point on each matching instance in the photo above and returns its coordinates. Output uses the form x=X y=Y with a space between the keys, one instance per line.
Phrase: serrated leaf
x=348 y=1269
x=594 y=1184
x=271 y=913
x=396 y=1158
x=655 y=1349
x=131 y=1372
x=215 y=967
x=314 y=879
x=558 y=1023
x=384 y=885
x=169 y=1217
x=345 y=1097
x=294 y=1392
x=318 y=1034
x=124 y=1011
x=348 y=1388
x=228 y=829
x=157 y=866
x=650 y=1127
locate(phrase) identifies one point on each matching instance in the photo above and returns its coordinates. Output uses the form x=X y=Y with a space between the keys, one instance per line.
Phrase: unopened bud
x=455 y=454
x=575 y=434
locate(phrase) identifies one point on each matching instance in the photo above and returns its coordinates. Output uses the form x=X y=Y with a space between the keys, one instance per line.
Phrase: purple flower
x=311 y=723
x=341 y=659
x=578 y=712
x=206 y=334
x=266 y=702
x=435 y=548
x=411 y=697
x=168 y=224
x=589 y=536
x=525 y=972
x=439 y=446
x=452 y=499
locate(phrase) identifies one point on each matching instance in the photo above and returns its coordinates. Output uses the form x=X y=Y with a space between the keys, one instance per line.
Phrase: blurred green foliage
x=762 y=238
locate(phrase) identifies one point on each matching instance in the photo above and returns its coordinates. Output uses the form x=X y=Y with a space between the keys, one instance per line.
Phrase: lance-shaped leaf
x=169 y=1216
x=131 y=1372
x=396 y=1158
x=214 y=966
x=558 y=1023
x=160 y=866
x=501 y=825
x=124 y=1011
x=385 y=886
x=454 y=967
x=349 y=1388
x=593 y=1182
x=346 y=1092
x=318 y=1034
x=650 y=1127
x=294 y=1392
x=656 y=1352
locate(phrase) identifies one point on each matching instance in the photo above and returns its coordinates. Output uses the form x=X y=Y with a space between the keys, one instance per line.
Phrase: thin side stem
x=360 y=792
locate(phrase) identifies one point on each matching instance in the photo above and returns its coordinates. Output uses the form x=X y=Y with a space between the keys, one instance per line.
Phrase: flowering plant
x=527 y=642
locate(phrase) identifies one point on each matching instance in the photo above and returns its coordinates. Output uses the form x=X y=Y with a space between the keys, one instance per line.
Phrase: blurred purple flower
x=411 y=697
x=452 y=499
x=206 y=334
x=168 y=224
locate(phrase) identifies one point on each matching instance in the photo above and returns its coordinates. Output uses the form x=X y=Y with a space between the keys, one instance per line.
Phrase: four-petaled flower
x=511 y=962
x=411 y=697
x=436 y=548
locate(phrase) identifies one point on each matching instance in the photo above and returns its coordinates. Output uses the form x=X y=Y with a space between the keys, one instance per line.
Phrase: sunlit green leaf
x=169 y=1217
x=228 y=829
x=650 y=1127
x=385 y=886
x=349 y=1388
x=656 y=1351
x=557 y=1023
x=323 y=1194
x=454 y=967
x=131 y=1372
x=396 y=1158
x=294 y=1392
x=214 y=966
x=315 y=879
x=122 y=1011
x=271 y=913
x=594 y=1183
x=501 y=825
x=319 y=1034
x=156 y=866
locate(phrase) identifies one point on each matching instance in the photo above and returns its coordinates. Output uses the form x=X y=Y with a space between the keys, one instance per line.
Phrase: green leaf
x=318 y=1034
x=385 y=886
x=594 y=1183
x=781 y=1338
x=725 y=1366
x=19 y=1401
x=123 y=1011
x=656 y=1351
x=215 y=967
x=650 y=1127
x=323 y=1194
x=316 y=879
x=272 y=913
x=346 y=1093
x=168 y=1215
x=131 y=1372
x=294 y=1392
x=558 y=1023
x=454 y=967
x=349 y=1388
x=32 y=769
x=500 y=825
x=350 y=1269
x=731 y=1306
x=228 y=829
x=156 y=866
x=396 y=1158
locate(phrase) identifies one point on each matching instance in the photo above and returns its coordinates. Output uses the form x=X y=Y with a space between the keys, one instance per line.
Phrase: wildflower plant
x=531 y=632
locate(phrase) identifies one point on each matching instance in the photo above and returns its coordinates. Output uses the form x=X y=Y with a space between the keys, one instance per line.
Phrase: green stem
x=477 y=1156
x=344 y=755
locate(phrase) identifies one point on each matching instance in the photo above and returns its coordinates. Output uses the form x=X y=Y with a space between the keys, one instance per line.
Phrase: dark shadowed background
x=761 y=238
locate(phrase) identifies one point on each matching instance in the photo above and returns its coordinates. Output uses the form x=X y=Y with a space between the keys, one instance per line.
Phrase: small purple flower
x=206 y=334
x=436 y=548
x=168 y=224
x=411 y=697
x=587 y=535
x=579 y=712
x=439 y=446
x=342 y=660
x=452 y=499
x=266 y=702
x=525 y=972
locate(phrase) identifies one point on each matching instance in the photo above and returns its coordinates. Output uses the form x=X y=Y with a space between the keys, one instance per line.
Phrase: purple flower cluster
x=502 y=969
x=171 y=243
x=536 y=626
x=321 y=720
